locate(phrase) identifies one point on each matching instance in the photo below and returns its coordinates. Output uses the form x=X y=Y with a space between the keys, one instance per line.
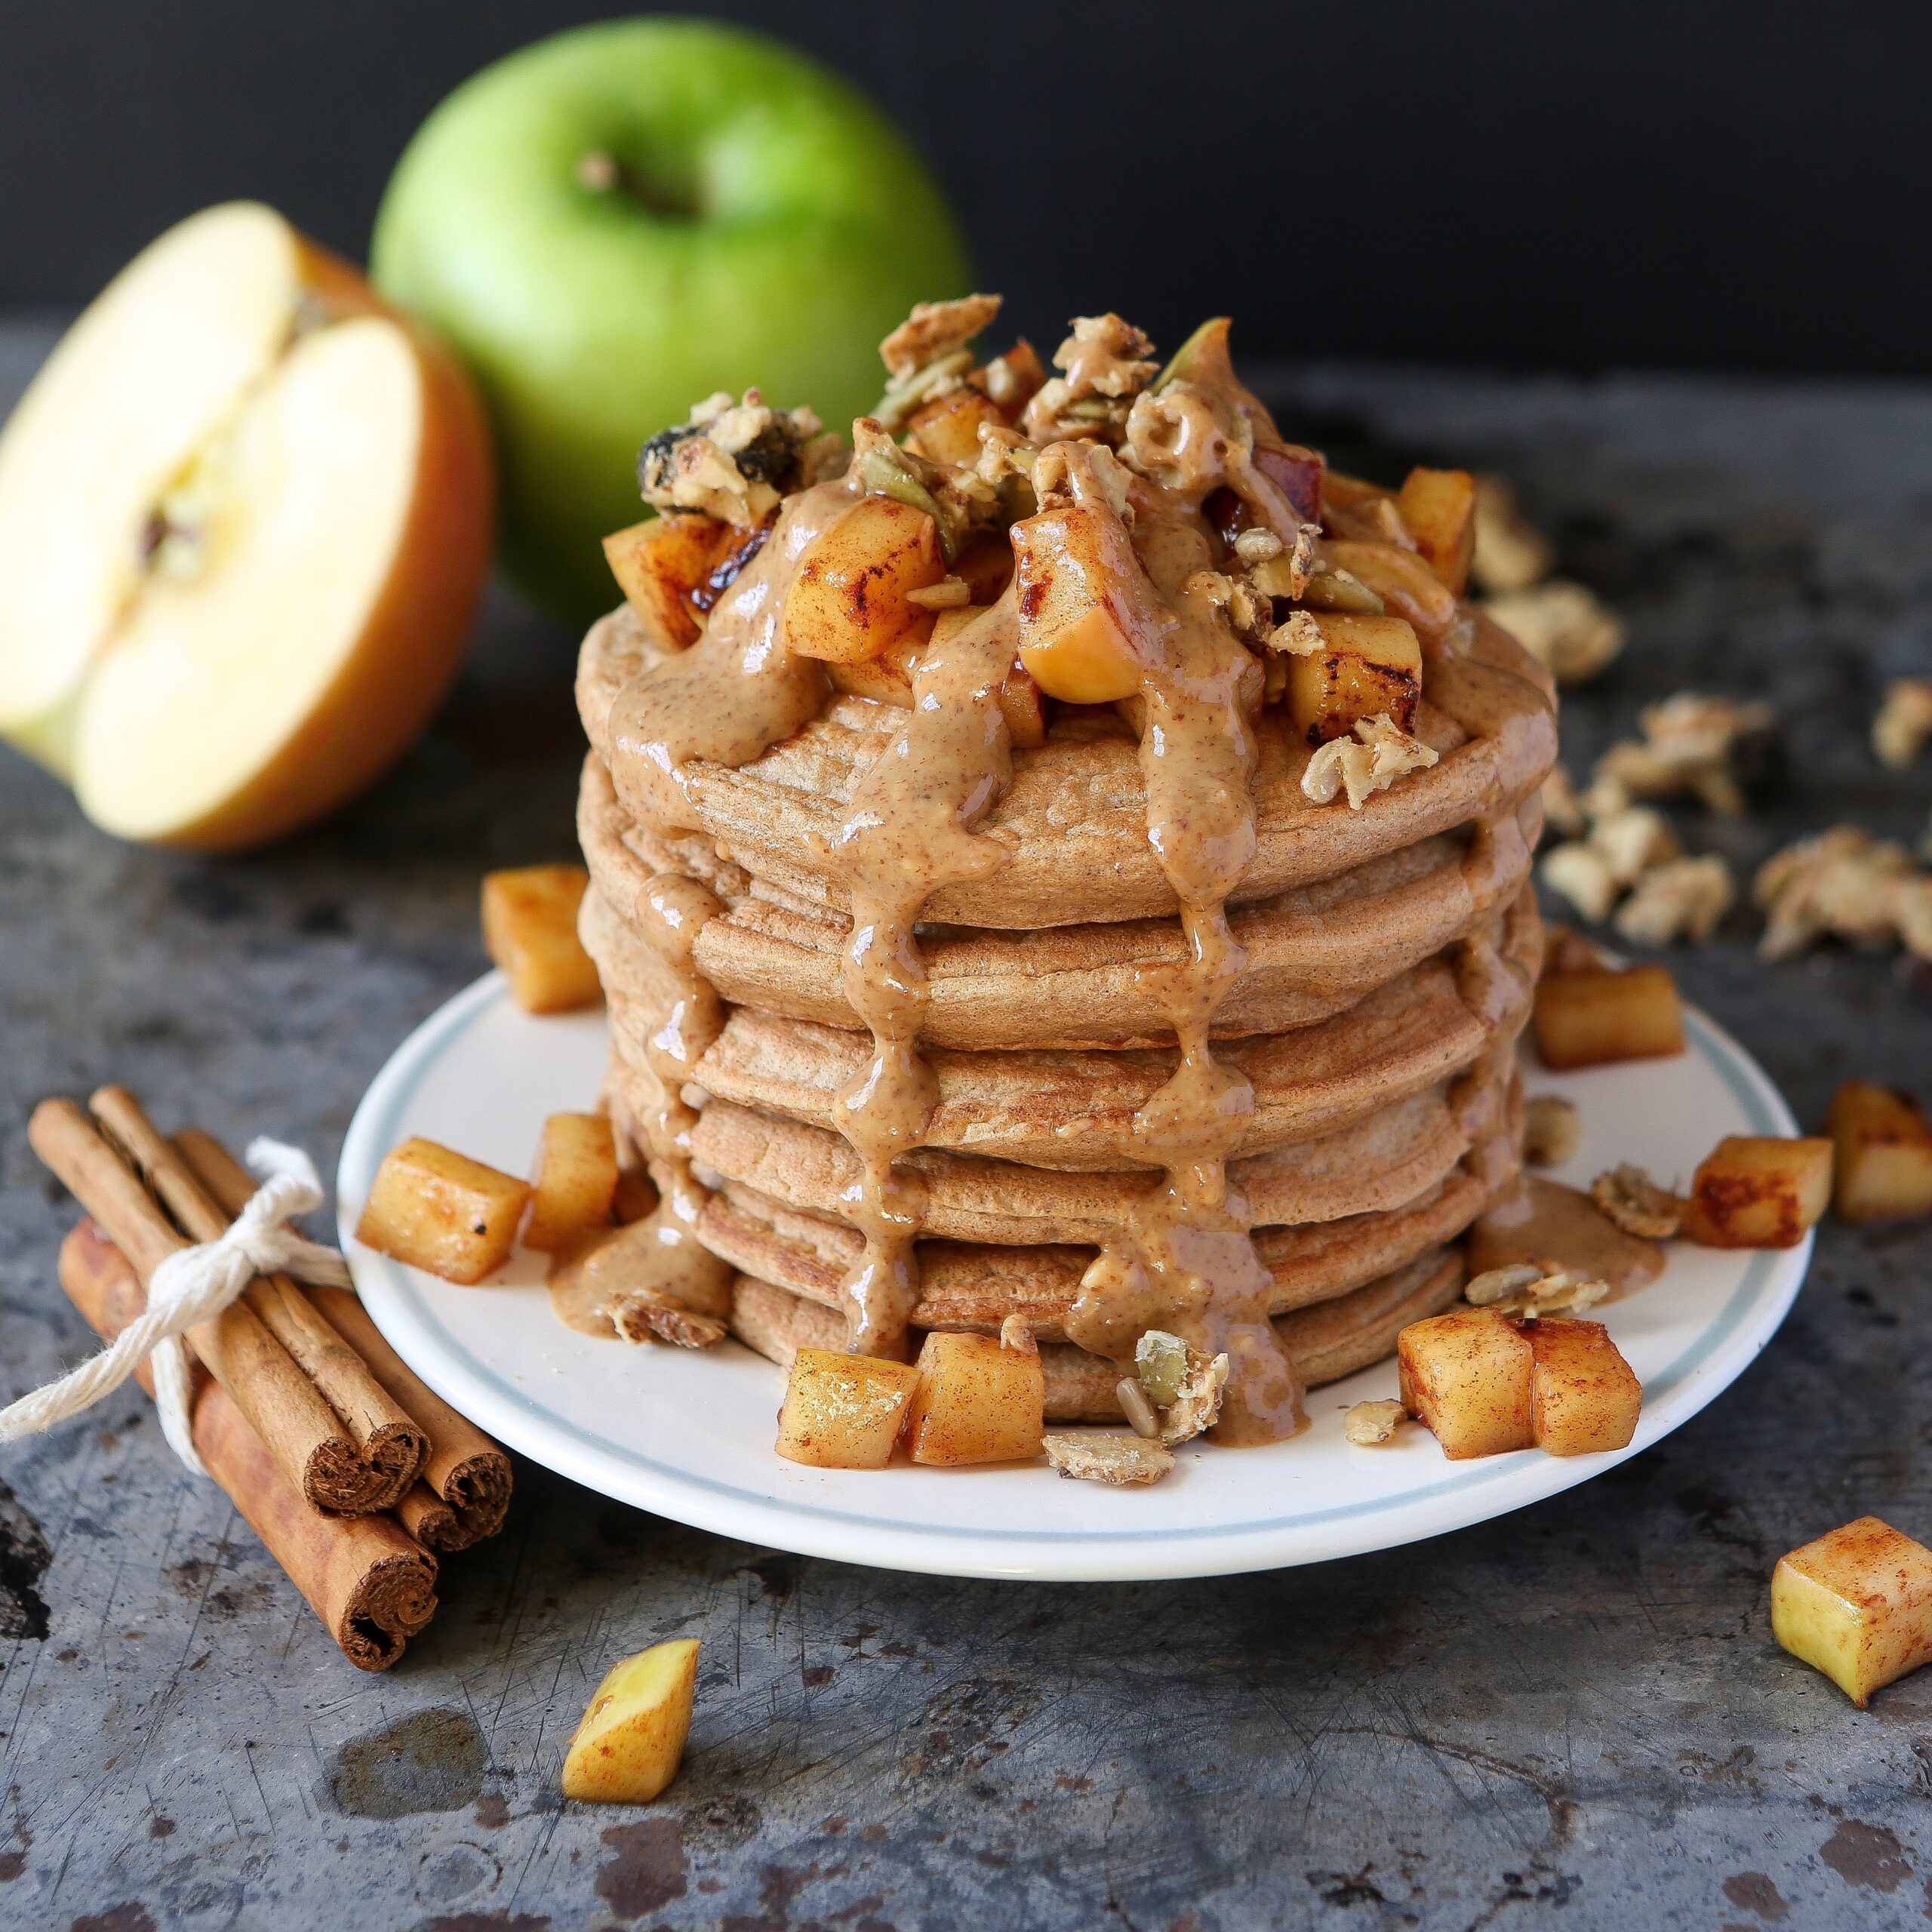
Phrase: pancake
x=1328 y=1341
x=1074 y=820
x=1312 y=951
x=1377 y=1163
x=1075 y=1110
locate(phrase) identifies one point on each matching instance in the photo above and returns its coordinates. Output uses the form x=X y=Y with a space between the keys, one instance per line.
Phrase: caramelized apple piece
x=1857 y=1605
x=530 y=930
x=848 y=603
x=1758 y=1191
x=1404 y=582
x=576 y=1179
x=1467 y=1377
x=1882 y=1150
x=1438 y=507
x=1079 y=584
x=843 y=1412
x=985 y=561
x=1367 y=666
x=442 y=1212
x=888 y=680
x=631 y=1738
x=977 y=1402
x=659 y=564
x=1591 y=1016
x=947 y=430
x=1583 y=1395
x=1012 y=379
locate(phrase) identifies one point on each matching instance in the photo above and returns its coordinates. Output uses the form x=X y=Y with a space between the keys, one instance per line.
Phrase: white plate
x=689 y=1435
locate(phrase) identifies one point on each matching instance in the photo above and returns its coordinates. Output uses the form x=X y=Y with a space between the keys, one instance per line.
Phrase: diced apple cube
x=1081 y=588
x=631 y=1738
x=843 y=1412
x=635 y=1197
x=1591 y=1016
x=576 y=1178
x=1014 y=379
x=1296 y=473
x=659 y=563
x=1758 y=1191
x=885 y=679
x=1583 y=1395
x=530 y=930
x=442 y=1212
x=1882 y=1154
x=1366 y=666
x=1403 y=583
x=977 y=1402
x=847 y=602
x=1467 y=1377
x=1438 y=507
x=1857 y=1605
x=947 y=430
x=986 y=563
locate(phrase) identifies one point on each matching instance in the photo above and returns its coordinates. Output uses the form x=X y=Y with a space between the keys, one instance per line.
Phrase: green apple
x=622 y=219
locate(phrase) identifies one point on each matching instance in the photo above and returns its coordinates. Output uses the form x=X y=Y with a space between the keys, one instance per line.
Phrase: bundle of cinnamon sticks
x=353 y=1473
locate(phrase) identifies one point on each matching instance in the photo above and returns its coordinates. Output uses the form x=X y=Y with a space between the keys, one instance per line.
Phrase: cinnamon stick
x=463 y=1490
x=386 y=1447
x=280 y=1404
x=371 y=1585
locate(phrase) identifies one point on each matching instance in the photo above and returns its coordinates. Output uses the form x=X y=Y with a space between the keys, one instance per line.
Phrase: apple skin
x=794 y=228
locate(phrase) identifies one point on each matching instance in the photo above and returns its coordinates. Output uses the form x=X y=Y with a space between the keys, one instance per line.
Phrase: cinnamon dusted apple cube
x=442 y=1212
x=1857 y=1605
x=1593 y=1016
x=985 y=562
x=576 y=1178
x=659 y=563
x=1583 y=1395
x=1881 y=1154
x=1082 y=591
x=843 y=1412
x=631 y=1738
x=530 y=930
x=1758 y=1191
x=847 y=602
x=947 y=430
x=1366 y=666
x=1468 y=1377
x=1438 y=508
x=977 y=1402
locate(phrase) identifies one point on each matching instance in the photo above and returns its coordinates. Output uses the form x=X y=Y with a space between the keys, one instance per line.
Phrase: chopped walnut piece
x=1691 y=745
x=1105 y=362
x=1124 y=1461
x=1299 y=636
x=1562 y=626
x=1582 y=876
x=1368 y=1423
x=935 y=329
x=1627 y=1195
x=1524 y=1289
x=1904 y=721
x=1511 y=553
x=1552 y=1130
x=1562 y=811
x=1632 y=841
x=1681 y=899
x=1844 y=884
x=1379 y=753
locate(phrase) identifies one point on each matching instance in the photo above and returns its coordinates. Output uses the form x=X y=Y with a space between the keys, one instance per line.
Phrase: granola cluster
x=735 y=460
x=1560 y=622
x=1844 y=884
x=1524 y=1289
x=1628 y=1196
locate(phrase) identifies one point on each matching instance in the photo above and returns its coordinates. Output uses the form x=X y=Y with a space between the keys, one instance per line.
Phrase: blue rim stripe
x=443 y=1028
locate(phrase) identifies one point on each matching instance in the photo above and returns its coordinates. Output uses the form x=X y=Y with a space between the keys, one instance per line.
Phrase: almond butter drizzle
x=1181 y=1257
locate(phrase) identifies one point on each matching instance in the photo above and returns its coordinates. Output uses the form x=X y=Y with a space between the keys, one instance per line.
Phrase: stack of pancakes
x=1392 y=954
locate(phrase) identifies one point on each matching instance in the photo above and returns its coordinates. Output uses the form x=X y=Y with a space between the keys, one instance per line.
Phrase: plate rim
x=1713 y=1358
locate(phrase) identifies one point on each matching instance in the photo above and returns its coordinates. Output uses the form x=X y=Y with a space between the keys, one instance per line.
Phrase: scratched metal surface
x=1580 y=1706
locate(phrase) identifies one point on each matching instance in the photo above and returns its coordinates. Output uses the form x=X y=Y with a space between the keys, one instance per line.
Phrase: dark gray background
x=1635 y=182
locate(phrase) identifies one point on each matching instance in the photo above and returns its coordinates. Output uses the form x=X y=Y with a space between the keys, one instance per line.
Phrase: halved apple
x=245 y=512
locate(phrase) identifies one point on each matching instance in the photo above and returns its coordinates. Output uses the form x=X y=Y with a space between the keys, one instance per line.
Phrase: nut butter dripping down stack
x=920 y=837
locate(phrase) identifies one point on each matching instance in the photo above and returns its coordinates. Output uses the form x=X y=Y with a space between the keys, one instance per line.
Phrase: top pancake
x=1074 y=821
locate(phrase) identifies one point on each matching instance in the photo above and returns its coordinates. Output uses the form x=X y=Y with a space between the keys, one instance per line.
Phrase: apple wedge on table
x=245 y=513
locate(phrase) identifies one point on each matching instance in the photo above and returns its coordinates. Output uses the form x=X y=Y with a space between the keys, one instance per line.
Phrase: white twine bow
x=189 y=1287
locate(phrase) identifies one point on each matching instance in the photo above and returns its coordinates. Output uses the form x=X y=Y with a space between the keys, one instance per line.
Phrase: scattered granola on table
x=1903 y=722
x=1626 y=1194
x=1565 y=626
x=1692 y=746
x=1843 y=883
x=1680 y=899
x=1511 y=553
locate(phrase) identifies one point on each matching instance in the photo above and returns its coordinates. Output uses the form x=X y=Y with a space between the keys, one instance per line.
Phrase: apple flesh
x=626 y=217
x=245 y=515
